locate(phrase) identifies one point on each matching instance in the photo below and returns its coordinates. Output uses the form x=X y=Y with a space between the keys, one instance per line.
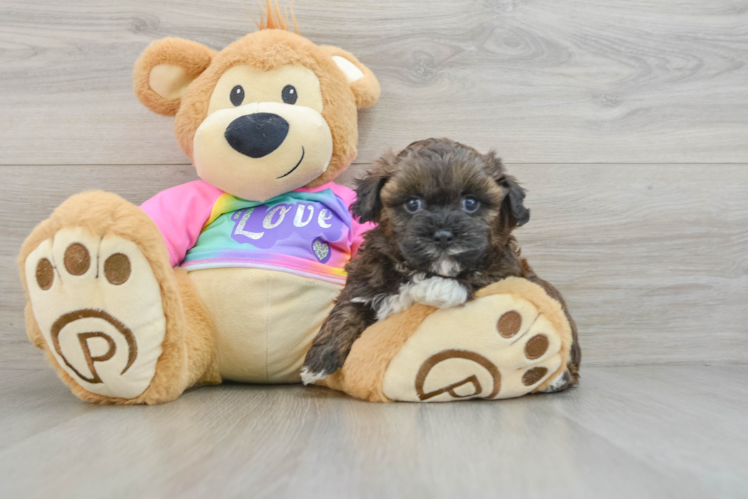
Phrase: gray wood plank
x=33 y=402
x=651 y=258
x=543 y=81
x=625 y=432
x=681 y=418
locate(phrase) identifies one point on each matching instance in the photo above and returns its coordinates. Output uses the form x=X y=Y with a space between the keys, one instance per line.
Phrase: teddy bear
x=230 y=277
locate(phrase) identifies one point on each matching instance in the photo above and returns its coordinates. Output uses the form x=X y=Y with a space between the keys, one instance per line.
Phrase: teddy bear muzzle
x=257 y=151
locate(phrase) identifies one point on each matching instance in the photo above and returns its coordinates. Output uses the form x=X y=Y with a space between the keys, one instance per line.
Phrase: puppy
x=445 y=215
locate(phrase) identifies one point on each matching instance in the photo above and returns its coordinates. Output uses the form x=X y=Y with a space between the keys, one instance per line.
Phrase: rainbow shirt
x=308 y=232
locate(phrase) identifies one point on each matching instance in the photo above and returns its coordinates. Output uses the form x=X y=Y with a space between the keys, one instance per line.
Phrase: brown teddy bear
x=231 y=276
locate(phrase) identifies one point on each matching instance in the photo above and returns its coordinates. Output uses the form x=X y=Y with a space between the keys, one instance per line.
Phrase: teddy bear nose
x=257 y=135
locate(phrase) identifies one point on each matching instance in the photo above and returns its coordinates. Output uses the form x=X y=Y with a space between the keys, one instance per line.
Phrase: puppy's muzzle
x=258 y=134
x=443 y=238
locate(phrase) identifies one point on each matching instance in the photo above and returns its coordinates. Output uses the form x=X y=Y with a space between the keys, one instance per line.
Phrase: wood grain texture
x=580 y=81
x=652 y=259
x=625 y=432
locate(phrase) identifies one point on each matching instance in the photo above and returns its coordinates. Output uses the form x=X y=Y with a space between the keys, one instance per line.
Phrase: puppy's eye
x=289 y=94
x=413 y=205
x=237 y=95
x=470 y=204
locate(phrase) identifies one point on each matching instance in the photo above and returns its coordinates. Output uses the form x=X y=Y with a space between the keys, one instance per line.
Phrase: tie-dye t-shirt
x=308 y=232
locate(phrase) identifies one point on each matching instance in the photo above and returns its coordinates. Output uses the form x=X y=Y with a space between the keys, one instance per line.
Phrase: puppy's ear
x=514 y=198
x=513 y=207
x=368 y=204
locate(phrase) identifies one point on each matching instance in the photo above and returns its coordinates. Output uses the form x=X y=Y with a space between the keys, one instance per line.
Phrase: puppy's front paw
x=321 y=360
x=309 y=378
x=560 y=383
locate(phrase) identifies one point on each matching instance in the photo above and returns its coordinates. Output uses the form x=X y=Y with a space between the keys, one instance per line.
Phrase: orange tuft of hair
x=272 y=18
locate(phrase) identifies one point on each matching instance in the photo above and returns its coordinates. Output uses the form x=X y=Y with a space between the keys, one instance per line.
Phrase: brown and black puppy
x=445 y=215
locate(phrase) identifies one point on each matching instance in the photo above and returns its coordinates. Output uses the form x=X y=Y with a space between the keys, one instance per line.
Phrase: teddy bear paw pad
x=496 y=347
x=98 y=305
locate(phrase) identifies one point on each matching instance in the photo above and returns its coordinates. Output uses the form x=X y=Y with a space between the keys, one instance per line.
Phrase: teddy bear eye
x=237 y=95
x=289 y=94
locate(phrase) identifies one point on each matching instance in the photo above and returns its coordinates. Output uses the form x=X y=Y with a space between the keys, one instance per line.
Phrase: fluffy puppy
x=445 y=215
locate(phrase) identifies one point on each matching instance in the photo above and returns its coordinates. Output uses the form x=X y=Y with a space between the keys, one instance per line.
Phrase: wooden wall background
x=627 y=120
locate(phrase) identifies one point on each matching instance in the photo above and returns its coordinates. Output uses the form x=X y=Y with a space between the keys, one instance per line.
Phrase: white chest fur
x=435 y=291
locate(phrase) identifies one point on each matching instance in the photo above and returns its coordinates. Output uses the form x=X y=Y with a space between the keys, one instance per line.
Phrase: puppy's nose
x=443 y=237
x=257 y=135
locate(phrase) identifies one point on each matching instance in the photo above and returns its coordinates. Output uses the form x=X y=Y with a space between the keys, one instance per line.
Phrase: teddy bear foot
x=512 y=340
x=496 y=347
x=98 y=306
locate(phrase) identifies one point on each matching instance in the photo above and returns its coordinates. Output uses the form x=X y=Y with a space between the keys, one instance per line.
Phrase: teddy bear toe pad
x=98 y=306
x=496 y=347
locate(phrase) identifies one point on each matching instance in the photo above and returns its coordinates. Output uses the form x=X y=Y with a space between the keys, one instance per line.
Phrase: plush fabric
x=366 y=88
x=547 y=306
x=175 y=331
x=512 y=340
x=264 y=50
x=290 y=145
x=98 y=305
x=168 y=54
x=100 y=213
x=363 y=373
x=264 y=336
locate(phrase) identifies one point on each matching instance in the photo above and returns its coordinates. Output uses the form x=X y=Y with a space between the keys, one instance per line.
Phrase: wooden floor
x=627 y=120
x=660 y=431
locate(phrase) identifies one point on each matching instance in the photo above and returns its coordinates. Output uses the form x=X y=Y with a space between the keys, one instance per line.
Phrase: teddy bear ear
x=164 y=71
x=362 y=81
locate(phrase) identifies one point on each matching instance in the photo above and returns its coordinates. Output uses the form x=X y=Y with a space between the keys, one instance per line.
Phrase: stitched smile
x=297 y=165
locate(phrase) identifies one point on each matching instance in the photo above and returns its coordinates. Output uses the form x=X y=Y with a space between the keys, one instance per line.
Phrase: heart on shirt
x=321 y=250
